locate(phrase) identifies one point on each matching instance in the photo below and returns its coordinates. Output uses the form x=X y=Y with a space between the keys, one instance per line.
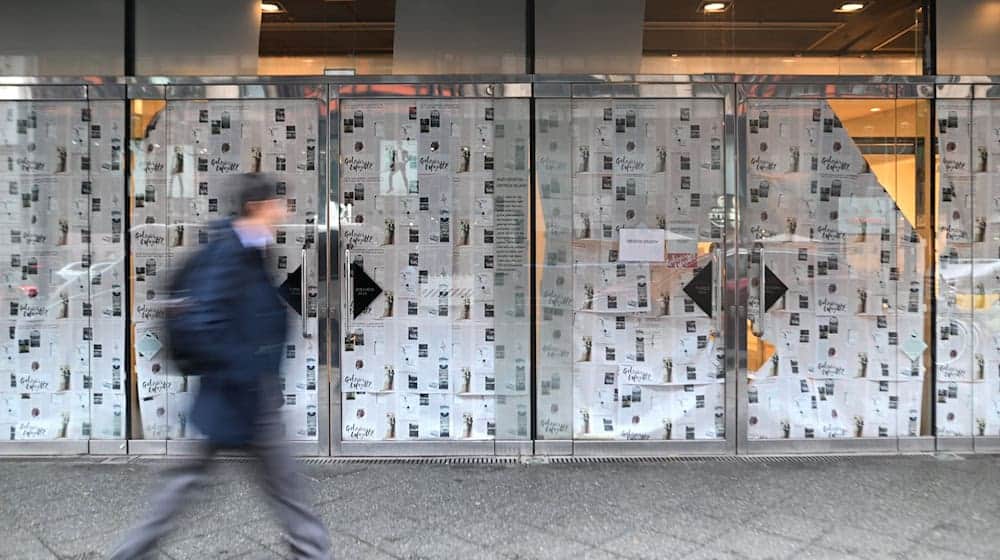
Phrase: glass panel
x=303 y=37
x=435 y=230
x=963 y=399
x=914 y=194
x=63 y=38
x=837 y=253
x=186 y=153
x=108 y=268
x=60 y=222
x=308 y=37
x=633 y=196
x=783 y=37
x=554 y=261
x=984 y=154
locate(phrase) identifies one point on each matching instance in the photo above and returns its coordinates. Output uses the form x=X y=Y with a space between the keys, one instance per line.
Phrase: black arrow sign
x=291 y=290
x=699 y=289
x=774 y=288
x=365 y=289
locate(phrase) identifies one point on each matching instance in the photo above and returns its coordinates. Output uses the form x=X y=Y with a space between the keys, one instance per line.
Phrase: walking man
x=228 y=325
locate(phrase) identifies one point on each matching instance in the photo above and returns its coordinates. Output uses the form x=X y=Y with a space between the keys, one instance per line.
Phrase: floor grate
x=453 y=461
x=697 y=459
x=529 y=460
x=459 y=461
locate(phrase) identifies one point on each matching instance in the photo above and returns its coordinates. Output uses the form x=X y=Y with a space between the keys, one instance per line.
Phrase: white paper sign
x=640 y=245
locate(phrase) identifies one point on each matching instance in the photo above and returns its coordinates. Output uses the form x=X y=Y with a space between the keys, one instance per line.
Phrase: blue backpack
x=188 y=349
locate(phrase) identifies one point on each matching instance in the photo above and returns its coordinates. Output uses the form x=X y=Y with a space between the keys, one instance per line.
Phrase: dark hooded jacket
x=241 y=319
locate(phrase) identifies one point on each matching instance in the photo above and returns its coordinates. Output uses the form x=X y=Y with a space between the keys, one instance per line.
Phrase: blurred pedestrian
x=227 y=324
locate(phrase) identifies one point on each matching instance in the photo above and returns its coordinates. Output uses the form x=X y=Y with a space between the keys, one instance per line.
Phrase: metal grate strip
x=463 y=461
x=701 y=459
x=533 y=460
x=457 y=461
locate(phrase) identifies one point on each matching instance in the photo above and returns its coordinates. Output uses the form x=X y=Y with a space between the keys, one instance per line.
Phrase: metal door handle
x=348 y=281
x=717 y=290
x=304 y=286
x=757 y=325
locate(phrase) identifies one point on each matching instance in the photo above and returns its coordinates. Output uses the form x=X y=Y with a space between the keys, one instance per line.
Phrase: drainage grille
x=576 y=460
x=527 y=460
x=455 y=461
x=460 y=461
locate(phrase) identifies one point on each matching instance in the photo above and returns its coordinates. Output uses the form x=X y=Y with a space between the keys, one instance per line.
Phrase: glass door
x=435 y=343
x=834 y=221
x=188 y=149
x=967 y=392
x=633 y=229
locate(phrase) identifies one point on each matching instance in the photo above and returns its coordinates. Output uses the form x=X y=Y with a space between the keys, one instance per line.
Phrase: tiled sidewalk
x=861 y=507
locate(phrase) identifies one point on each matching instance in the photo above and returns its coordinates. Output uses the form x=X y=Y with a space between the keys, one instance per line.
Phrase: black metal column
x=130 y=37
x=928 y=9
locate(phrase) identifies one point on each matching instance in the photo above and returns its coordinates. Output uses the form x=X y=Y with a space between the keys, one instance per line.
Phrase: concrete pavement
x=909 y=507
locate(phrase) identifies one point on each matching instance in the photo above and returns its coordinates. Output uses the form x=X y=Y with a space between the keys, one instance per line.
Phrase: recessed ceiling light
x=851 y=7
x=272 y=8
x=715 y=7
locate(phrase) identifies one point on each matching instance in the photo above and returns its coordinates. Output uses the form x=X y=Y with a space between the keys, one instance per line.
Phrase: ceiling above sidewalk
x=336 y=27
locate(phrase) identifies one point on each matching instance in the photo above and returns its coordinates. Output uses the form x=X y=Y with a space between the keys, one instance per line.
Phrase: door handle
x=757 y=324
x=304 y=286
x=717 y=289
x=348 y=279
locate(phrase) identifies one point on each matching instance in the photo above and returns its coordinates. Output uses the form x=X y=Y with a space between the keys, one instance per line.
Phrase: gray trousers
x=307 y=535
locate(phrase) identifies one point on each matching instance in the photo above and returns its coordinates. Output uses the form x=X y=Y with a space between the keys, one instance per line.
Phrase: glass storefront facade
x=65 y=280
x=568 y=261
x=541 y=265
